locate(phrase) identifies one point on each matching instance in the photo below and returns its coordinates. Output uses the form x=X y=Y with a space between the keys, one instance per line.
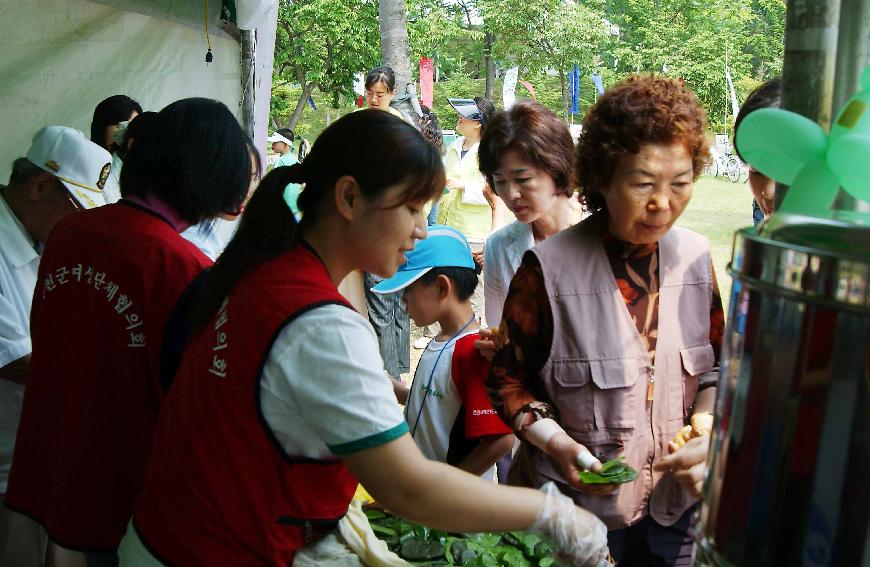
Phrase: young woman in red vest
x=281 y=405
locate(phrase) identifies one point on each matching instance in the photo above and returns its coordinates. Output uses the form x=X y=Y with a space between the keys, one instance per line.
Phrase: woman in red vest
x=281 y=405
x=108 y=279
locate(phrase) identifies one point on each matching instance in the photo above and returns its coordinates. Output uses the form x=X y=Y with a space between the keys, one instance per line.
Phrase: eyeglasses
x=376 y=95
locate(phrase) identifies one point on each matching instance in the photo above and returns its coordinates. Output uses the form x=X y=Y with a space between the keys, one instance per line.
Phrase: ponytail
x=397 y=154
x=266 y=229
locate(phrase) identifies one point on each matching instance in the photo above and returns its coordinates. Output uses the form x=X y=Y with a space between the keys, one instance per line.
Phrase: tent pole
x=248 y=95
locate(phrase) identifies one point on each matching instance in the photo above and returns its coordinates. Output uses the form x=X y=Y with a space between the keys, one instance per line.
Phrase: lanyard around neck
x=431 y=377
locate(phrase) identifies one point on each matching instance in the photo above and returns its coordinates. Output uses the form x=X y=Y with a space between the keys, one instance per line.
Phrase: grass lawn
x=717 y=209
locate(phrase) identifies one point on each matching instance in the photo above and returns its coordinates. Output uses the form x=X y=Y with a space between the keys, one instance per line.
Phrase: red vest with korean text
x=219 y=488
x=598 y=372
x=108 y=280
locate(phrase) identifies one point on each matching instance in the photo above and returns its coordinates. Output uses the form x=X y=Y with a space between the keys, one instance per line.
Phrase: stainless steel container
x=789 y=475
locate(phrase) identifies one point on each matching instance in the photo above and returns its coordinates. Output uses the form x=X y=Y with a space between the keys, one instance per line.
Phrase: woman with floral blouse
x=611 y=331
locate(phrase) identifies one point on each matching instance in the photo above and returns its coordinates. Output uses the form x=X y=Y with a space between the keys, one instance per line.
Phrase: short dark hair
x=383 y=74
x=287 y=133
x=643 y=109
x=134 y=131
x=110 y=111
x=24 y=171
x=195 y=157
x=766 y=95
x=538 y=135
x=464 y=280
x=486 y=108
x=430 y=128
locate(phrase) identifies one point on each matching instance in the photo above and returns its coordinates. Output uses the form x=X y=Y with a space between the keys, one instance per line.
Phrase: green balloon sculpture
x=795 y=151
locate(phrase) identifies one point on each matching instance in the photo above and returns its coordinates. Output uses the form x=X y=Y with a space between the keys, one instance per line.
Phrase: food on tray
x=421 y=546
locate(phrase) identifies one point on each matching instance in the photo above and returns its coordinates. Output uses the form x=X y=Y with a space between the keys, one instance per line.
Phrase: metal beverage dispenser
x=789 y=467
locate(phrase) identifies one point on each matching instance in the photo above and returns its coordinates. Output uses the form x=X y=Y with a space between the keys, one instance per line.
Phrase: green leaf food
x=419 y=550
x=429 y=548
x=612 y=472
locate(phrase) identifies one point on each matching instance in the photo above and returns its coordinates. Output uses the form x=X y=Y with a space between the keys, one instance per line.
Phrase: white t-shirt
x=19 y=264
x=448 y=411
x=324 y=391
x=211 y=236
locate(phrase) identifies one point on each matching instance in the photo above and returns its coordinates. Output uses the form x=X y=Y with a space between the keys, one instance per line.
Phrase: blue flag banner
x=599 y=85
x=311 y=102
x=575 y=90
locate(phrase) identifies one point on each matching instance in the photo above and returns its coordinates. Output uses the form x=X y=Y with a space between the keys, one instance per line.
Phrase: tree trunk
x=307 y=89
x=488 y=40
x=566 y=101
x=395 y=49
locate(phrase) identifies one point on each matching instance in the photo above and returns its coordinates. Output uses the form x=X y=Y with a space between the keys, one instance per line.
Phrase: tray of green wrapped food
x=420 y=545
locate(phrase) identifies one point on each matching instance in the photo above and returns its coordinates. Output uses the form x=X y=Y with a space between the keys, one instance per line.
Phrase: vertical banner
x=427 y=86
x=575 y=90
x=509 y=87
x=735 y=108
x=359 y=88
x=599 y=84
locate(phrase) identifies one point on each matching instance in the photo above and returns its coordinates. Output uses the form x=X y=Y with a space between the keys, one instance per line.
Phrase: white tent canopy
x=62 y=57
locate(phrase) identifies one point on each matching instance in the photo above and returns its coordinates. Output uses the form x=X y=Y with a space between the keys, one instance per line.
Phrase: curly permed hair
x=640 y=110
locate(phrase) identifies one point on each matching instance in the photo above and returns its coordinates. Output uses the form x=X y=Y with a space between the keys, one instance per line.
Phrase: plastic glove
x=580 y=536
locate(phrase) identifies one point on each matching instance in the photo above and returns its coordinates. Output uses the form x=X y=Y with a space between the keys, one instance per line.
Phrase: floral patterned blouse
x=527 y=324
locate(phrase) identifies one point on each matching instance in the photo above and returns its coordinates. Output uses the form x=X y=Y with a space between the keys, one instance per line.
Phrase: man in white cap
x=282 y=143
x=62 y=173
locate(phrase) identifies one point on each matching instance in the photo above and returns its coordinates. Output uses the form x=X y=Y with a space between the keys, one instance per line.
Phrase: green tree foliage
x=694 y=40
x=546 y=35
x=322 y=44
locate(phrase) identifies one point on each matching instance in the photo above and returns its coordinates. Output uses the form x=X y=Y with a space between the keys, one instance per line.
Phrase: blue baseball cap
x=443 y=247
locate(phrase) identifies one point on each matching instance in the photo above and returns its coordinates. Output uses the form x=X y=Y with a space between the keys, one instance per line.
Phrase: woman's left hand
x=564 y=450
x=486 y=343
x=688 y=463
x=478 y=257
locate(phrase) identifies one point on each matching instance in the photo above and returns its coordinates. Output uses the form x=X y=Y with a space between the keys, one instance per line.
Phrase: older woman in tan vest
x=611 y=330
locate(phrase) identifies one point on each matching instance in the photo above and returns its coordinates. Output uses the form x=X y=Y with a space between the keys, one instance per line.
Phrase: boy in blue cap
x=448 y=412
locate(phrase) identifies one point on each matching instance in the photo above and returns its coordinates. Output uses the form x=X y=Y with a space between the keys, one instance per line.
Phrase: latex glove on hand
x=579 y=535
x=573 y=458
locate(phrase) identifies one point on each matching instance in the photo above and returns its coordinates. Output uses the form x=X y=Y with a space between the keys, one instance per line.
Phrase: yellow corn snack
x=683 y=436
